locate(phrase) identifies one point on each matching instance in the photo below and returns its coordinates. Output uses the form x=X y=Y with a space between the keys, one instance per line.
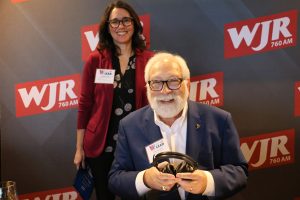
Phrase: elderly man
x=173 y=123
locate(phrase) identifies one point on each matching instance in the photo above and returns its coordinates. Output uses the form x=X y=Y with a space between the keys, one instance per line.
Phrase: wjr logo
x=207 y=89
x=90 y=36
x=260 y=34
x=48 y=95
x=269 y=150
x=57 y=194
x=106 y=73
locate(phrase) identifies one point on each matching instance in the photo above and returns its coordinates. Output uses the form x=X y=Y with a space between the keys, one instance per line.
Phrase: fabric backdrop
x=243 y=54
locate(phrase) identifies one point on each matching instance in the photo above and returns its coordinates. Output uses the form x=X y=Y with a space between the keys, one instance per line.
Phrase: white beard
x=167 y=110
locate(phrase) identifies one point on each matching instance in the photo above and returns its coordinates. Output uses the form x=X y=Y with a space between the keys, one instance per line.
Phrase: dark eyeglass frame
x=124 y=20
x=167 y=82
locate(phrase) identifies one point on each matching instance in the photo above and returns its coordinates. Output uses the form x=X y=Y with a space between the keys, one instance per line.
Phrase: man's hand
x=195 y=182
x=159 y=181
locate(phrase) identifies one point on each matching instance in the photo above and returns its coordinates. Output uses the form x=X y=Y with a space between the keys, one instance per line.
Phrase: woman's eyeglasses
x=115 y=23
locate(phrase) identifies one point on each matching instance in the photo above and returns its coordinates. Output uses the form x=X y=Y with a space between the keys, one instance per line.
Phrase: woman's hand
x=79 y=158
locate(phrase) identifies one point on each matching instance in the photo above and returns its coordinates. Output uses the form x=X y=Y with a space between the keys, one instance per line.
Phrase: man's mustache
x=165 y=97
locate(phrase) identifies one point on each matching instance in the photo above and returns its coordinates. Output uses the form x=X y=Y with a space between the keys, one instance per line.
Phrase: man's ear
x=188 y=82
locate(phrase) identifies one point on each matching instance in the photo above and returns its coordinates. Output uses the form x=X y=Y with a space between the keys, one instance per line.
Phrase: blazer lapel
x=152 y=132
x=195 y=128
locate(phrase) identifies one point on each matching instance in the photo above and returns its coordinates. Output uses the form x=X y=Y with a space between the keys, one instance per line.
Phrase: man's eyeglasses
x=172 y=84
x=115 y=23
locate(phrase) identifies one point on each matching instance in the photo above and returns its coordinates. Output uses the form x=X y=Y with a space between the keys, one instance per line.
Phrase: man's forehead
x=166 y=60
x=165 y=69
x=166 y=63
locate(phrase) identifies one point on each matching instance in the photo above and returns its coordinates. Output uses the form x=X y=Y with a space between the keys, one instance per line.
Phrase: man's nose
x=165 y=89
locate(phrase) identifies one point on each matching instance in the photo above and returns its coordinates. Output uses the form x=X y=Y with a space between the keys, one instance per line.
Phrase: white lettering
x=70 y=195
x=52 y=96
x=279 y=26
x=248 y=152
x=264 y=36
x=54 y=197
x=244 y=34
x=207 y=87
x=66 y=88
x=60 y=196
x=33 y=94
x=263 y=151
x=278 y=144
x=193 y=90
x=92 y=39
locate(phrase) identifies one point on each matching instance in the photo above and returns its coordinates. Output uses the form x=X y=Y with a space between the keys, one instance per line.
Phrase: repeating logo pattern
x=242 y=38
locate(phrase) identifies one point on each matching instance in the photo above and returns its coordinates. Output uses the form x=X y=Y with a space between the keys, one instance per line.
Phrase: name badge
x=156 y=147
x=105 y=76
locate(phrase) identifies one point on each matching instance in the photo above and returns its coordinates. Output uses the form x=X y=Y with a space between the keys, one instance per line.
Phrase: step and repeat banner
x=244 y=57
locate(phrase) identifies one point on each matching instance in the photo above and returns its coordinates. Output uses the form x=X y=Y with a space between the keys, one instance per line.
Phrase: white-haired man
x=173 y=123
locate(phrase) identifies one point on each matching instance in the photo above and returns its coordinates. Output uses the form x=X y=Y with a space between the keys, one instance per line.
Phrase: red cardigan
x=95 y=102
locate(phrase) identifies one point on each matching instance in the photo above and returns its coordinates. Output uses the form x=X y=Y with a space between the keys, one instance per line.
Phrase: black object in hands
x=84 y=182
x=187 y=163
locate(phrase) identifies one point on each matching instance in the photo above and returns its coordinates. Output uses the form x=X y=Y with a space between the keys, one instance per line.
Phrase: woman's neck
x=125 y=50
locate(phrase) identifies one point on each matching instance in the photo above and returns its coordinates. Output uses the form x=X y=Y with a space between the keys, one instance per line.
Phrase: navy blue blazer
x=214 y=145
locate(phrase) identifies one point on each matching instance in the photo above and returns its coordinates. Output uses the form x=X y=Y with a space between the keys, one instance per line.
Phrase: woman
x=112 y=87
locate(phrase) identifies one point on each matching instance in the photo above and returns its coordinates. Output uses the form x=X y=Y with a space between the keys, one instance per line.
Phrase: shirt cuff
x=139 y=184
x=210 y=187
